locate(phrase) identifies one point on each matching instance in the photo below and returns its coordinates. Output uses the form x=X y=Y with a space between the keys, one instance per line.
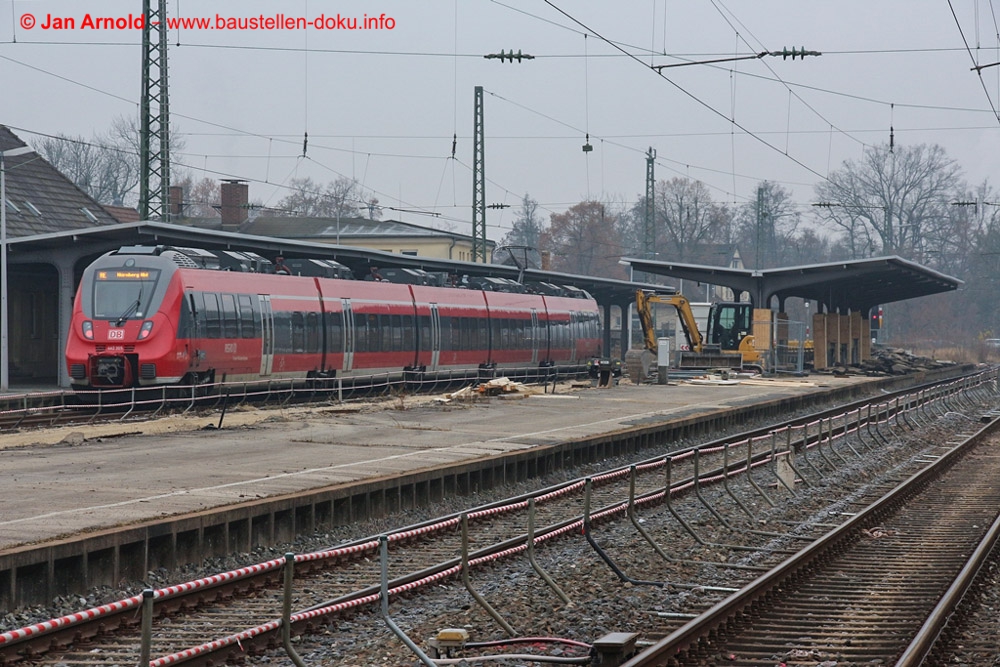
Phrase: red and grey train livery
x=148 y=316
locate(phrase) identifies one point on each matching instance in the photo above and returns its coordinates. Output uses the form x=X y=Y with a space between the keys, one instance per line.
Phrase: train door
x=435 y=337
x=266 y=334
x=535 y=335
x=348 y=334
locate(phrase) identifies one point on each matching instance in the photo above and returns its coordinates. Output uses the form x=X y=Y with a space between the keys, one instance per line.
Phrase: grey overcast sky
x=381 y=105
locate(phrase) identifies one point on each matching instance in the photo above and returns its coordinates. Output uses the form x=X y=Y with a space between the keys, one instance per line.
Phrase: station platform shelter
x=844 y=294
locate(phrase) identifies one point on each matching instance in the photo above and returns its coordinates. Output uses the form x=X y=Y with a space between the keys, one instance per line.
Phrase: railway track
x=863 y=592
x=331 y=583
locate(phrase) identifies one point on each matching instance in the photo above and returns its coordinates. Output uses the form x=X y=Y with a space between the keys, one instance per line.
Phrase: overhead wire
x=455 y=55
x=688 y=93
x=975 y=64
x=716 y=4
x=547 y=206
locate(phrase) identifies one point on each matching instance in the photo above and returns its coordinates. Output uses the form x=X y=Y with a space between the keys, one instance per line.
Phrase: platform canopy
x=854 y=285
x=100 y=239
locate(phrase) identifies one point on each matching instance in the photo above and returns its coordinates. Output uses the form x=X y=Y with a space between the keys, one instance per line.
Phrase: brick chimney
x=176 y=201
x=546 y=260
x=235 y=197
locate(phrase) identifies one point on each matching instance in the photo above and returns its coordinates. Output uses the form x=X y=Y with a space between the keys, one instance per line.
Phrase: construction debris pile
x=494 y=387
x=896 y=361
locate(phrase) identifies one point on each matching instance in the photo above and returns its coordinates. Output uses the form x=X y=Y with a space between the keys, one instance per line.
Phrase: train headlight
x=147 y=328
x=88 y=329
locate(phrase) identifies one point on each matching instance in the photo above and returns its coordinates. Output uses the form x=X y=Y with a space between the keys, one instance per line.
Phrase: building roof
x=41 y=199
x=122 y=213
x=330 y=229
x=854 y=284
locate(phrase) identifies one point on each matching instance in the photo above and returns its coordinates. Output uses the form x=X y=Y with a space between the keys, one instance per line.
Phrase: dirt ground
x=243 y=416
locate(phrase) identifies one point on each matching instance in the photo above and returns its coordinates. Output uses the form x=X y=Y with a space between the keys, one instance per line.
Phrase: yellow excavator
x=728 y=343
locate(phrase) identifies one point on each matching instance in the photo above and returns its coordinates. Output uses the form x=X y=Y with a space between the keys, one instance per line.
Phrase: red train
x=147 y=316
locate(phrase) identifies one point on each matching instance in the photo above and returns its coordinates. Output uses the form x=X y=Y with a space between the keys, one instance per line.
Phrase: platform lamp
x=4 y=356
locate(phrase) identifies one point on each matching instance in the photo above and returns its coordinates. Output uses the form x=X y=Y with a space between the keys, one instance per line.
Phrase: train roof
x=251 y=262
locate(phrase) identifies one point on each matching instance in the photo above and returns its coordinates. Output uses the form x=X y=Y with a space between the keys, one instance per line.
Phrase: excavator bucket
x=638 y=364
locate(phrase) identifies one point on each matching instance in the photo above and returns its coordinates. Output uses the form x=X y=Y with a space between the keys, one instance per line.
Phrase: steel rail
x=923 y=643
x=713 y=620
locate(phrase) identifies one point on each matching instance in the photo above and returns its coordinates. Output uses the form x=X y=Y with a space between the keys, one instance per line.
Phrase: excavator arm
x=644 y=301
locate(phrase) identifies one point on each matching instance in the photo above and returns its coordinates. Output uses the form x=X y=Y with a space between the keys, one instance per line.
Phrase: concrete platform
x=99 y=505
x=71 y=480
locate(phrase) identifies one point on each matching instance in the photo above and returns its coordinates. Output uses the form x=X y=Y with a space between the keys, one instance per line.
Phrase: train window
x=468 y=333
x=231 y=327
x=385 y=332
x=408 y=338
x=445 y=334
x=494 y=333
x=456 y=334
x=424 y=333
x=124 y=293
x=463 y=333
x=482 y=334
x=378 y=334
x=475 y=339
x=213 y=324
x=372 y=334
x=282 y=332
x=248 y=322
x=334 y=333
x=360 y=333
x=298 y=332
x=312 y=332
x=397 y=333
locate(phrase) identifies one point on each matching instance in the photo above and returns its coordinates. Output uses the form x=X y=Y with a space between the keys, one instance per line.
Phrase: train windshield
x=123 y=294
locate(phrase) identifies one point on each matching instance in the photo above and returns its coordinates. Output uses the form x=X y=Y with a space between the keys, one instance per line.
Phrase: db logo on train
x=116 y=334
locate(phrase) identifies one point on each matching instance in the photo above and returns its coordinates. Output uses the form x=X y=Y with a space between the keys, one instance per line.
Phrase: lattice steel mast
x=154 y=133
x=478 y=182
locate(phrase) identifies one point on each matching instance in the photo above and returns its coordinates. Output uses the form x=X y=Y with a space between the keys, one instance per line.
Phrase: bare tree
x=766 y=227
x=686 y=217
x=202 y=199
x=339 y=198
x=528 y=225
x=106 y=166
x=893 y=201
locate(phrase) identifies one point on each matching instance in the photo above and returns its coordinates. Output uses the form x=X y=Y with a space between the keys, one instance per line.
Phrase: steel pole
x=4 y=377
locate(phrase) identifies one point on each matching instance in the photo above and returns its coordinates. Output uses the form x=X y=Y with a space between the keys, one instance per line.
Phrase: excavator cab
x=728 y=324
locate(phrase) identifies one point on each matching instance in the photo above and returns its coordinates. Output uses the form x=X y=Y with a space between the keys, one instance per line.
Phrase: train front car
x=124 y=326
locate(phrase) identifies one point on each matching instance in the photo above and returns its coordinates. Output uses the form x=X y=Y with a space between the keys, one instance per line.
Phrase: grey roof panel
x=60 y=203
